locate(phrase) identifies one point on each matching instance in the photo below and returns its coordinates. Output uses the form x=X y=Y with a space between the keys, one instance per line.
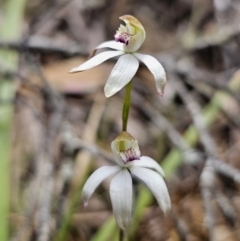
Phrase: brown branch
x=189 y=154
x=44 y=45
x=208 y=174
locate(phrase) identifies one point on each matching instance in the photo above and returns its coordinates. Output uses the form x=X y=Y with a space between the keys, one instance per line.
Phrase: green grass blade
x=10 y=30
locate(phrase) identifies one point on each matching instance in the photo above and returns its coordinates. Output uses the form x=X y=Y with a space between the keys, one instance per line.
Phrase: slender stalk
x=126 y=105
x=121 y=235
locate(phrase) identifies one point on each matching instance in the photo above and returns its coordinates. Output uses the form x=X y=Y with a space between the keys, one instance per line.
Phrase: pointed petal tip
x=70 y=71
x=108 y=94
x=167 y=209
x=74 y=70
x=161 y=91
x=166 y=206
x=156 y=184
x=92 y=53
x=156 y=69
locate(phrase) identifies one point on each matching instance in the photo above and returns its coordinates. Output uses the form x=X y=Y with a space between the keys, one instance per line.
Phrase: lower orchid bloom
x=130 y=162
x=128 y=40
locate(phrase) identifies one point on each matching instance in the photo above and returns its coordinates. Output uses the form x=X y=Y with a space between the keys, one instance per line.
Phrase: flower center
x=129 y=155
x=123 y=37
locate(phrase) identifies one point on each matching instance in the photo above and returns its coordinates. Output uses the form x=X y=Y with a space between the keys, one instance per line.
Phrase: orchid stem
x=126 y=105
x=122 y=236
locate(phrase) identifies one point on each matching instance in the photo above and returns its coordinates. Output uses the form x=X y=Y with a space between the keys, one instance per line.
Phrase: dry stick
x=44 y=45
x=207 y=179
x=46 y=173
x=213 y=164
x=73 y=144
x=190 y=155
x=180 y=225
x=195 y=75
x=227 y=207
x=52 y=16
x=47 y=180
x=232 y=116
x=226 y=169
x=208 y=174
x=24 y=232
x=198 y=76
x=41 y=191
x=45 y=157
x=229 y=211
x=162 y=123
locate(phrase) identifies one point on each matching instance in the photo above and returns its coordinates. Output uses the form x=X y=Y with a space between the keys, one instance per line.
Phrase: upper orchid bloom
x=130 y=162
x=128 y=39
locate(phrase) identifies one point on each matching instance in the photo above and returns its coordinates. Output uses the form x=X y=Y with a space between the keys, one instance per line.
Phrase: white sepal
x=122 y=73
x=111 y=44
x=95 y=179
x=156 y=184
x=156 y=69
x=147 y=162
x=96 y=60
x=121 y=198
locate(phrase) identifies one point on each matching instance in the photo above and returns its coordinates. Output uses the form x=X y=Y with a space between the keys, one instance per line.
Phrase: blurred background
x=56 y=128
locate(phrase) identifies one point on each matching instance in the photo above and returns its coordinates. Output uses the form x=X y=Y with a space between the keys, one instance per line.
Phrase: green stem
x=13 y=13
x=126 y=105
x=121 y=235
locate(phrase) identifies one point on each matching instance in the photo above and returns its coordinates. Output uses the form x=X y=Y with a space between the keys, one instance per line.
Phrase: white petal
x=156 y=69
x=95 y=179
x=111 y=45
x=96 y=60
x=122 y=73
x=156 y=184
x=148 y=162
x=121 y=197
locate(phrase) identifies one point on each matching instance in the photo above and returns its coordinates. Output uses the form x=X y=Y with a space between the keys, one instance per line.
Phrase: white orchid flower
x=130 y=162
x=128 y=39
